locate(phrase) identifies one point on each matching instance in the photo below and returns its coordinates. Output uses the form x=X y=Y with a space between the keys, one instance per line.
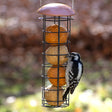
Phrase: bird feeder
x=56 y=19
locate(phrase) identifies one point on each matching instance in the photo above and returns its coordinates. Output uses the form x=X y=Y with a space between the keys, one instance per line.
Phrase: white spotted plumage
x=67 y=70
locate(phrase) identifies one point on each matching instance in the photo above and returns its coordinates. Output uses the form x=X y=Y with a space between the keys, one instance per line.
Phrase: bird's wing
x=74 y=74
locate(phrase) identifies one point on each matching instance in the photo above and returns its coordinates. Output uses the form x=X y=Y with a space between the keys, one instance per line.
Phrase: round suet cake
x=51 y=95
x=53 y=73
x=53 y=37
x=53 y=50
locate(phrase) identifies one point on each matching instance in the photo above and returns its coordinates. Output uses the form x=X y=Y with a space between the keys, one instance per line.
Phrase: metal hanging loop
x=73 y=4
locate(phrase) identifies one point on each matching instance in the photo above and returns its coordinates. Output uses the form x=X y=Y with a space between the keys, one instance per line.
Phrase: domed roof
x=56 y=9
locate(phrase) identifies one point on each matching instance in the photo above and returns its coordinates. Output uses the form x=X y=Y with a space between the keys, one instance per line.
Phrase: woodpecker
x=74 y=71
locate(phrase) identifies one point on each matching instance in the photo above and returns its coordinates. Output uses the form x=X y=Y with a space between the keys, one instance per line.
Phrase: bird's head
x=74 y=56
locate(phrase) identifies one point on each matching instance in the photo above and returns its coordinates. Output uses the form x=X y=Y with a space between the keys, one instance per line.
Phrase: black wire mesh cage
x=56 y=47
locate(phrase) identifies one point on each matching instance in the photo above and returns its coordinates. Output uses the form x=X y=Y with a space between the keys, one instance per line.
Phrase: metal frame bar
x=58 y=60
x=43 y=56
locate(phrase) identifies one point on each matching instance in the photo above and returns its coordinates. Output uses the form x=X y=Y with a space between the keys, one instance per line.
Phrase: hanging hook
x=40 y=3
x=73 y=4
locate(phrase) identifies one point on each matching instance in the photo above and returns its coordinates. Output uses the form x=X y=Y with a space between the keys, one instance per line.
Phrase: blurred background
x=20 y=56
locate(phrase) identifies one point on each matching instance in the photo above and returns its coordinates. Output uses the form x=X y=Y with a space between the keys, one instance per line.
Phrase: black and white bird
x=74 y=72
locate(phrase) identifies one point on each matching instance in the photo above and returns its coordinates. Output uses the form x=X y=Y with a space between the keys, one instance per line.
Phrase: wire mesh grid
x=45 y=66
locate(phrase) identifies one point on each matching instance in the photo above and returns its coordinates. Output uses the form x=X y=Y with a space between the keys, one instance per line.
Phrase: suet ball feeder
x=56 y=46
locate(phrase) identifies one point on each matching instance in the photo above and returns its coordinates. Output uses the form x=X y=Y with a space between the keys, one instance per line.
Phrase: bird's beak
x=68 y=55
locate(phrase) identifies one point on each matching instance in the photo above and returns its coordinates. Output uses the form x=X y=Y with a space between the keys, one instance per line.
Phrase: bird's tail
x=65 y=93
